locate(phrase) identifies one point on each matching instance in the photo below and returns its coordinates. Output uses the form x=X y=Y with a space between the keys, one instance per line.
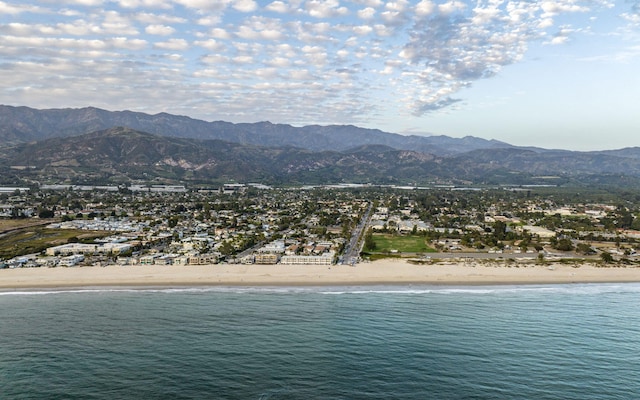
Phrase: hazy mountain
x=558 y=162
x=53 y=142
x=122 y=154
x=24 y=124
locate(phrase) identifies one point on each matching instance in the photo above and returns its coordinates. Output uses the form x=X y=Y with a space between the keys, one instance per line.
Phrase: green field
x=386 y=243
x=29 y=240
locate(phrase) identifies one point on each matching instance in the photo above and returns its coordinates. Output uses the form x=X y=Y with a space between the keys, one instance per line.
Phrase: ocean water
x=418 y=342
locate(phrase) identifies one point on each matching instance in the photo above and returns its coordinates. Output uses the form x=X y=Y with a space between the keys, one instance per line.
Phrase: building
x=83 y=248
x=70 y=261
x=324 y=259
x=266 y=258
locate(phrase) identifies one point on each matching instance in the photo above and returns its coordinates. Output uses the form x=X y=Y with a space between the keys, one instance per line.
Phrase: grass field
x=7 y=224
x=386 y=243
x=29 y=240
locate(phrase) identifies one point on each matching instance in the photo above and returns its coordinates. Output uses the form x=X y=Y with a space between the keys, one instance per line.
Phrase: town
x=65 y=225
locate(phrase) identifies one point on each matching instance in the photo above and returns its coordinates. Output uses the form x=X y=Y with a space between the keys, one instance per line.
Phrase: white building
x=83 y=248
x=324 y=259
x=70 y=261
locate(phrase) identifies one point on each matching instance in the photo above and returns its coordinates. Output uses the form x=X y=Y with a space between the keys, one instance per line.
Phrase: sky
x=554 y=74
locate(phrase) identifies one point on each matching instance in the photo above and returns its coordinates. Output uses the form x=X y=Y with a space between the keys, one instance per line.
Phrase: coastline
x=381 y=272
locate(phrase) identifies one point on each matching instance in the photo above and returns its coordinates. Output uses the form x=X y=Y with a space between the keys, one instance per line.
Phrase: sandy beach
x=390 y=271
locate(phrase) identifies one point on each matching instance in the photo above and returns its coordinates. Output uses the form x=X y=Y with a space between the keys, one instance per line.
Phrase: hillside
x=121 y=155
x=50 y=146
x=24 y=124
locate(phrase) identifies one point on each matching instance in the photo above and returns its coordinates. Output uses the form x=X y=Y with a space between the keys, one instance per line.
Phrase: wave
x=585 y=289
x=581 y=289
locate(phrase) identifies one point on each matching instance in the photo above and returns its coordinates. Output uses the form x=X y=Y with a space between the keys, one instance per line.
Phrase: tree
x=606 y=257
x=46 y=213
x=583 y=248
x=564 y=244
x=226 y=248
x=499 y=230
x=369 y=243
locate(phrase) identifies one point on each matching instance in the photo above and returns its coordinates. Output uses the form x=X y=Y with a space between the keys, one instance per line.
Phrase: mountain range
x=91 y=145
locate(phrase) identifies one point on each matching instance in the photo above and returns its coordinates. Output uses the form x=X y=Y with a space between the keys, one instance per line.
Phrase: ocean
x=381 y=342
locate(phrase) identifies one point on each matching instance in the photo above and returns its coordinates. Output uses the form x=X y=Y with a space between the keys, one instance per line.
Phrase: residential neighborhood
x=258 y=224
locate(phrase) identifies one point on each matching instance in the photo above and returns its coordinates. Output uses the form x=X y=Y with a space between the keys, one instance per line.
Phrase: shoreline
x=376 y=273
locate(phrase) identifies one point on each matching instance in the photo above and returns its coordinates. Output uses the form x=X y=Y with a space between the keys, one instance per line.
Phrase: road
x=352 y=250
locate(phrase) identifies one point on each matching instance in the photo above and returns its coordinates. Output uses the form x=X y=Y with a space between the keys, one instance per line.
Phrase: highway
x=352 y=250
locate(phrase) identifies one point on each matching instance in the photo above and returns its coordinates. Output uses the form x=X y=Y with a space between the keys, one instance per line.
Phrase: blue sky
x=553 y=74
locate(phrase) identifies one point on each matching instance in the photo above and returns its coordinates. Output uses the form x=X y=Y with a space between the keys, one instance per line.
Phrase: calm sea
x=524 y=342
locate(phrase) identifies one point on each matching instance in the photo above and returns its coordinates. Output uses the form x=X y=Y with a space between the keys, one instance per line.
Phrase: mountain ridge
x=123 y=155
x=24 y=124
x=195 y=151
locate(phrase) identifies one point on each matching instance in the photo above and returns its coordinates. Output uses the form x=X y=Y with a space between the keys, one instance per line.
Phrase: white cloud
x=144 y=3
x=220 y=33
x=215 y=59
x=425 y=7
x=173 y=44
x=209 y=44
x=316 y=54
x=343 y=53
x=209 y=5
x=277 y=6
x=209 y=20
x=115 y=23
x=280 y=62
x=451 y=7
x=67 y=43
x=14 y=9
x=369 y=3
x=260 y=28
x=362 y=30
x=266 y=73
x=88 y=3
x=158 y=19
x=245 y=5
x=367 y=13
x=325 y=8
x=162 y=30
x=242 y=59
x=301 y=75
x=552 y=8
x=126 y=43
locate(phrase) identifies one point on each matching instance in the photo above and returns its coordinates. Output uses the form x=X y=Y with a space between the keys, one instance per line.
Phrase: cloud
x=14 y=9
x=209 y=44
x=245 y=5
x=277 y=6
x=220 y=33
x=633 y=16
x=425 y=7
x=325 y=8
x=260 y=28
x=158 y=19
x=162 y=30
x=144 y=3
x=437 y=104
x=299 y=60
x=452 y=45
x=208 y=5
x=366 y=13
x=173 y=44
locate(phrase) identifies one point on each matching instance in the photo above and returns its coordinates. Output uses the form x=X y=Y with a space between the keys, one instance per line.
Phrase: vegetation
x=31 y=240
x=387 y=243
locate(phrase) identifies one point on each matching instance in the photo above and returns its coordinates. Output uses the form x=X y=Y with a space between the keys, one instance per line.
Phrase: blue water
x=529 y=342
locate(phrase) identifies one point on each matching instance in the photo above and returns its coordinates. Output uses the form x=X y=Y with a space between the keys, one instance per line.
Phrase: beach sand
x=382 y=272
